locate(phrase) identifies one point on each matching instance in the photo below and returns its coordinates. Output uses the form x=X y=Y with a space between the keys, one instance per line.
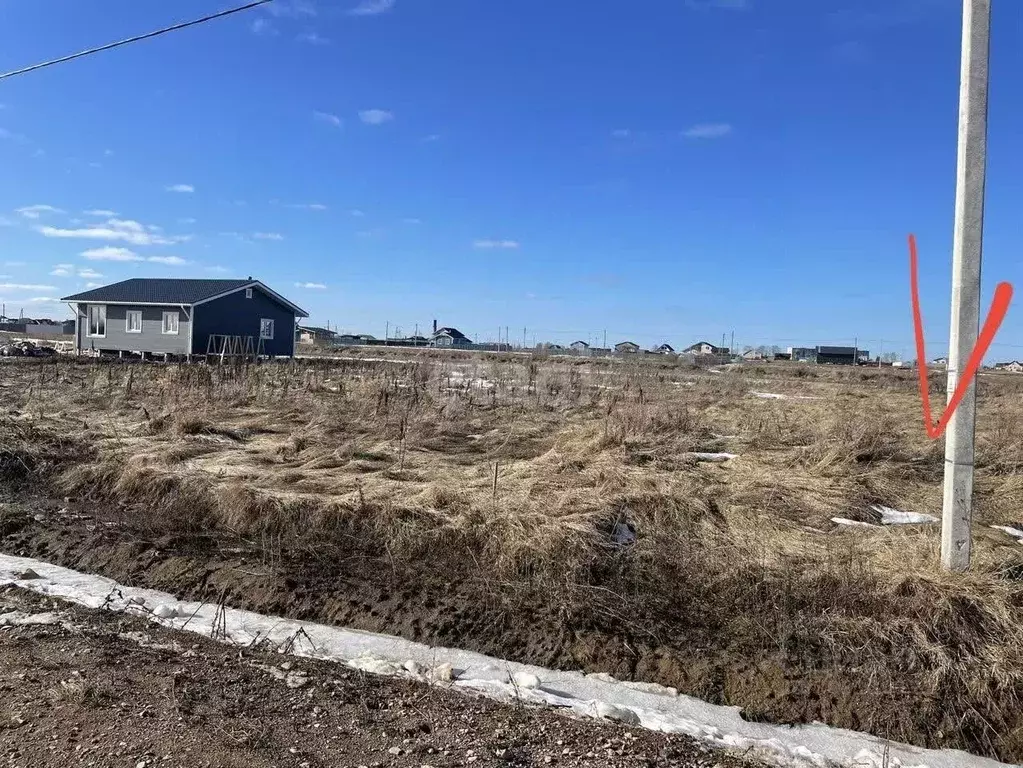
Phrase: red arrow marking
x=995 y=315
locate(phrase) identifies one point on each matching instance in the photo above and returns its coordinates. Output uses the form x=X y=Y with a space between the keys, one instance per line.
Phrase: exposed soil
x=96 y=688
x=473 y=615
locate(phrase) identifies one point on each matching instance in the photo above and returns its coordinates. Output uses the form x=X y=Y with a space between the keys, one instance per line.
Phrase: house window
x=170 y=322
x=97 y=320
x=266 y=329
x=133 y=321
x=248 y=293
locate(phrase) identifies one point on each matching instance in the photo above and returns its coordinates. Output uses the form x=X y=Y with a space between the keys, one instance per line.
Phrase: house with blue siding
x=157 y=316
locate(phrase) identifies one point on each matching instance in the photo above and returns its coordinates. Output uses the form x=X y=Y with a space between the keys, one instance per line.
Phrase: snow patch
x=810 y=746
x=1016 y=533
x=776 y=396
x=700 y=456
x=891 y=516
x=856 y=523
x=22 y=619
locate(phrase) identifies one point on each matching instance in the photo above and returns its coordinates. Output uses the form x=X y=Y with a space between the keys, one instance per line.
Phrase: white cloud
x=187 y=220
x=263 y=27
x=708 y=131
x=180 y=188
x=372 y=7
x=412 y=220
x=109 y=253
x=100 y=212
x=218 y=270
x=495 y=244
x=621 y=133
x=313 y=38
x=62 y=270
x=308 y=206
x=356 y=213
x=115 y=229
x=15 y=263
x=291 y=8
x=5 y=222
x=94 y=164
x=93 y=285
x=174 y=261
x=108 y=152
x=35 y=211
x=268 y=236
x=25 y=287
x=89 y=272
x=42 y=300
x=375 y=116
x=318 y=286
x=327 y=117
x=6 y=134
x=431 y=138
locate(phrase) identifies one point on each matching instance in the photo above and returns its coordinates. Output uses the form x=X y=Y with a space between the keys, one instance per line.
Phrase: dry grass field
x=558 y=512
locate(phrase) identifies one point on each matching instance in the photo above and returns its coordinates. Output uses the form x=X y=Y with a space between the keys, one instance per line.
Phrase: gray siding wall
x=151 y=340
x=234 y=315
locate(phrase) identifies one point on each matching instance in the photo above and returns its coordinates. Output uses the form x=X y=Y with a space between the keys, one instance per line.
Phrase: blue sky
x=664 y=170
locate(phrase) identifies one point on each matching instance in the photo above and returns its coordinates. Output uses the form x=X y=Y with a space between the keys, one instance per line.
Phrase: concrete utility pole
x=971 y=165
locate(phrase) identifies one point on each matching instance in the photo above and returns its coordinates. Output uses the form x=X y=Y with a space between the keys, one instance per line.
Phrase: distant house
x=626 y=347
x=579 y=346
x=939 y=361
x=754 y=354
x=354 y=338
x=180 y=316
x=450 y=337
x=836 y=355
x=1015 y=366
x=311 y=334
x=664 y=349
x=803 y=354
x=705 y=348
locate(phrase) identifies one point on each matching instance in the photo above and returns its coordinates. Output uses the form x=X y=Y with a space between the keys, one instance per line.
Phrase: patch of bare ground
x=559 y=512
x=96 y=688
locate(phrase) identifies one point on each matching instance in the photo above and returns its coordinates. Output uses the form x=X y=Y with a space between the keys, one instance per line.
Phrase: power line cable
x=135 y=39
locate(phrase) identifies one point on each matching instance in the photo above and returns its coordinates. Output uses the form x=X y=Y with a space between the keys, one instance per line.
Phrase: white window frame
x=101 y=311
x=248 y=293
x=177 y=322
x=127 y=321
x=262 y=325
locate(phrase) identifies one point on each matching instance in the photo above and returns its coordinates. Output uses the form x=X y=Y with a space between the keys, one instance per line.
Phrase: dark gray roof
x=452 y=332
x=145 y=290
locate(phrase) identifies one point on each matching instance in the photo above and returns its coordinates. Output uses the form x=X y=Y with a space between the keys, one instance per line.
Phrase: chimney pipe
x=435 y=326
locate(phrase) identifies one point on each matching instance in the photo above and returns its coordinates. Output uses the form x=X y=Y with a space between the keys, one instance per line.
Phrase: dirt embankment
x=470 y=613
x=94 y=688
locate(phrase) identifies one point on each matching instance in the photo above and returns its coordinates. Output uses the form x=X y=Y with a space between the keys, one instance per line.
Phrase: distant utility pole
x=387 y=331
x=605 y=338
x=971 y=166
x=731 y=344
x=523 y=337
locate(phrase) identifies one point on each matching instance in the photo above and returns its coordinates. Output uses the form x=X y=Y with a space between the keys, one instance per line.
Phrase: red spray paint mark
x=995 y=315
